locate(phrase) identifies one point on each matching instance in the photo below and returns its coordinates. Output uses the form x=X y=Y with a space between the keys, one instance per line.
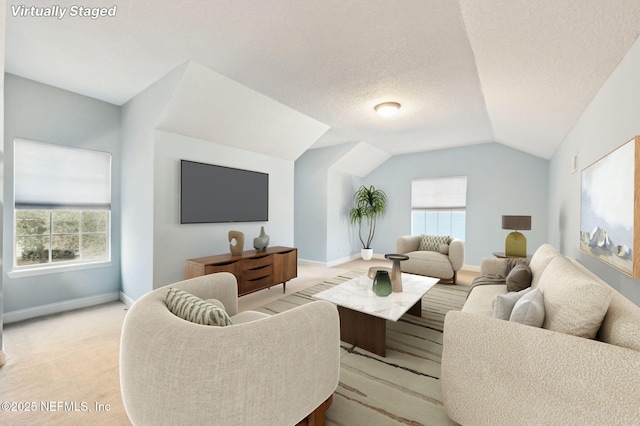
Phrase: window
x=51 y=236
x=438 y=206
x=62 y=205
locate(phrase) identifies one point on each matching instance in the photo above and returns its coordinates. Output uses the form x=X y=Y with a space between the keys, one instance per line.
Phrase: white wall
x=612 y=118
x=174 y=243
x=139 y=119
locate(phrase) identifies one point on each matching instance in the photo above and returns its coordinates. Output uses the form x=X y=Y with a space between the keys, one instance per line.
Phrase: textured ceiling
x=512 y=71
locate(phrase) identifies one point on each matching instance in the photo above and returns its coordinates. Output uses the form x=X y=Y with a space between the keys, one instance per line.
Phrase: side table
x=502 y=255
x=396 y=277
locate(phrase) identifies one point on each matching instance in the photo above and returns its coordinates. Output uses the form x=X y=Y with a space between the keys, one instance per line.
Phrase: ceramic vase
x=382 y=284
x=261 y=242
x=237 y=248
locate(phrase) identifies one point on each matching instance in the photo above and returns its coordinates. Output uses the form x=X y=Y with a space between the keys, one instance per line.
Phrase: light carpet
x=68 y=363
x=402 y=388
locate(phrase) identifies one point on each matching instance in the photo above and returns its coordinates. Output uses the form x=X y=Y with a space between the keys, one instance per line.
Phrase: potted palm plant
x=370 y=204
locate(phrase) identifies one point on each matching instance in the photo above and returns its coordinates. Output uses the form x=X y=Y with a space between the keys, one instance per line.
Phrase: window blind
x=446 y=193
x=48 y=176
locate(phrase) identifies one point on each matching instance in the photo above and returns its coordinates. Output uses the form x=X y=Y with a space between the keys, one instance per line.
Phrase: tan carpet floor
x=63 y=369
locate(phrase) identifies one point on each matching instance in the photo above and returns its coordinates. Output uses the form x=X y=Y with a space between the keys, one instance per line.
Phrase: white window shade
x=50 y=176
x=447 y=193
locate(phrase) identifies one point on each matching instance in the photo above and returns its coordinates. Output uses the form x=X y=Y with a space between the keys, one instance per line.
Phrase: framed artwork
x=610 y=211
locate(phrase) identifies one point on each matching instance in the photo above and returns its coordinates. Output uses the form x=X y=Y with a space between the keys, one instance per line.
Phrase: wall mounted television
x=216 y=194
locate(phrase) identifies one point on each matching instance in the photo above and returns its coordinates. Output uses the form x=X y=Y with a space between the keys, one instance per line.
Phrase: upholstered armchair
x=268 y=370
x=443 y=263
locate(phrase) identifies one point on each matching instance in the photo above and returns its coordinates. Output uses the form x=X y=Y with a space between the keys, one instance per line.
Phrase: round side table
x=396 y=277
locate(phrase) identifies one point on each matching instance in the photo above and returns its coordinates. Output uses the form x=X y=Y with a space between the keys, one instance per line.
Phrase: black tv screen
x=212 y=194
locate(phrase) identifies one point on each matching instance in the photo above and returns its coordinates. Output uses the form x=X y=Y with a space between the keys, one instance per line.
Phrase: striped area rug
x=402 y=388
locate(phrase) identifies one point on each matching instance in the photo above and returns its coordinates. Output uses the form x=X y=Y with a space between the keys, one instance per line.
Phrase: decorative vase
x=261 y=242
x=238 y=247
x=382 y=284
x=366 y=254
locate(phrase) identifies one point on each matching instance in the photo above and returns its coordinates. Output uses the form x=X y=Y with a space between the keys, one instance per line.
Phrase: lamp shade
x=518 y=223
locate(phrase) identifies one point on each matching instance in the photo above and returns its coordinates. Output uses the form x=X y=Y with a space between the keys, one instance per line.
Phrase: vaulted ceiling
x=517 y=72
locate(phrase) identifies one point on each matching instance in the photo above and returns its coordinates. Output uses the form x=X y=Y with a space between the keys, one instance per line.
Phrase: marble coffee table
x=364 y=315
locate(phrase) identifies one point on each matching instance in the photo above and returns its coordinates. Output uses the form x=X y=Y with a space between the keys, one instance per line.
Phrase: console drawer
x=257 y=262
x=257 y=273
x=250 y=285
x=233 y=267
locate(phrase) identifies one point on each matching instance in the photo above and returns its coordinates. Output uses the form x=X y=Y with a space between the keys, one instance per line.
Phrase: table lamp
x=515 y=245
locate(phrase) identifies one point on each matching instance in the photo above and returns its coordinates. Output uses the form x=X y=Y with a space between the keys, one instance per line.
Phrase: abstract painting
x=609 y=217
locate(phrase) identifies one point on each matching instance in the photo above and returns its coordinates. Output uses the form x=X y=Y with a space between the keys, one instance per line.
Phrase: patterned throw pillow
x=432 y=242
x=192 y=308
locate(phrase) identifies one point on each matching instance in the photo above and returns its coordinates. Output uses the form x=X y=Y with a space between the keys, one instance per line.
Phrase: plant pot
x=366 y=254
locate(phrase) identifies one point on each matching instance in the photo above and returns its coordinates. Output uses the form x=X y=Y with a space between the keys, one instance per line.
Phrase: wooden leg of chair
x=316 y=418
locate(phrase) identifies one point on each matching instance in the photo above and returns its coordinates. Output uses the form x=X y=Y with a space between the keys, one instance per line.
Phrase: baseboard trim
x=337 y=262
x=55 y=308
x=472 y=268
x=126 y=299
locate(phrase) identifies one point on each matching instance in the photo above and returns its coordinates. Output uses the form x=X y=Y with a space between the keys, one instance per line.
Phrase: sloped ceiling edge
x=360 y=160
x=209 y=106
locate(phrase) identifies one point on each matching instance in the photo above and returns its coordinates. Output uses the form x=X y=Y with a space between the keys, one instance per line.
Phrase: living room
x=522 y=154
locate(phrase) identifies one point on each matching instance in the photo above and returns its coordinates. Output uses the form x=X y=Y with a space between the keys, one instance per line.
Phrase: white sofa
x=267 y=370
x=431 y=263
x=497 y=372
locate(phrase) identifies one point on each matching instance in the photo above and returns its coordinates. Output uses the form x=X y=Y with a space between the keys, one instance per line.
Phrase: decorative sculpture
x=261 y=242
x=238 y=247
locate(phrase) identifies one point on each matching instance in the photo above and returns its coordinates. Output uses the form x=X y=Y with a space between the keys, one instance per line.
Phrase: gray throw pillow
x=432 y=242
x=503 y=303
x=529 y=310
x=519 y=277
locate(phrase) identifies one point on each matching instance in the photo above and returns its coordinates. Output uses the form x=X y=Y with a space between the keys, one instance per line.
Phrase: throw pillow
x=216 y=302
x=519 y=278
x=432 y=242
x=529 y=310
x=192 y=308
x=444 y=249
x=503 y=303
x=575 y=303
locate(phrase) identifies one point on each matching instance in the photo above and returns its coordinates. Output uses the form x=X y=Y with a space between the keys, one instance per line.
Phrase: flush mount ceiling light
x=387 y=109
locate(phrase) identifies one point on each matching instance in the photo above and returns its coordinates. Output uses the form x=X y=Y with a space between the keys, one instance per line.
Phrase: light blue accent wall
x=3 y=19
x=341 y=235
x=500 y=181
x=47 y=114
x=321 y=198
x=612 y=118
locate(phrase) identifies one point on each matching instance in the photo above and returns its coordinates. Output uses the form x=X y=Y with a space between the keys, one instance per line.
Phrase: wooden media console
x=253 y=270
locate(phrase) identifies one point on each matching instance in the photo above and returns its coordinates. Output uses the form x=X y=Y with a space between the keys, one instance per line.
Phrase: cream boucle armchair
x=267 y=370
x=431 y=263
